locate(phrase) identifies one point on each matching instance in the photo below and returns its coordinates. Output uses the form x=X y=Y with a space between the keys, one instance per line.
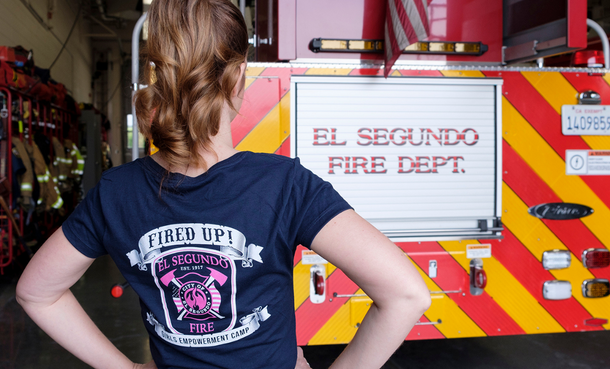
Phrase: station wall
x=30 y=27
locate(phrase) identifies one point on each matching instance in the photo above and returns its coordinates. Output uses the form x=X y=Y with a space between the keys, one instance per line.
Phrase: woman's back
x=209 y=256
x=206 y=235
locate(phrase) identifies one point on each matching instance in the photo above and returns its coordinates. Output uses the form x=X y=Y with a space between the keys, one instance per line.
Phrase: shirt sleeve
x=314 y=203
x=85 y=227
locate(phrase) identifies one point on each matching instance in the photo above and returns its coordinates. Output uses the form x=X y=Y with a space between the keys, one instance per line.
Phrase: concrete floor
x=24 y=346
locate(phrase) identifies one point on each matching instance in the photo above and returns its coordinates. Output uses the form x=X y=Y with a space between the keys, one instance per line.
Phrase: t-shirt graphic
x=193 y=265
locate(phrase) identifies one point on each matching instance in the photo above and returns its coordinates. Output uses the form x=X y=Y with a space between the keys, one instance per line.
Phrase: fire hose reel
x=317 y=284
x=478 y=277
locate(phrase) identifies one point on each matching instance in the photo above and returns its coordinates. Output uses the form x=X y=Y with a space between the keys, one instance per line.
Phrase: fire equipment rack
x=51 y=120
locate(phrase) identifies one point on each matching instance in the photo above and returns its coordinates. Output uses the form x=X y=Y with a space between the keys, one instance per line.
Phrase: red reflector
x=596 y=322
x=596 y=258
x=116 y=291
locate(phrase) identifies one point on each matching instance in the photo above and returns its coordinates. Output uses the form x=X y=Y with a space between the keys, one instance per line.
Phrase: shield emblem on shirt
x=197 y=290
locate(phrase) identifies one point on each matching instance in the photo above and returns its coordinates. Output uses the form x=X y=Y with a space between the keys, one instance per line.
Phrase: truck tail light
x=478 y=277
x=596 y=258
x=594 y=288
x=317 y=284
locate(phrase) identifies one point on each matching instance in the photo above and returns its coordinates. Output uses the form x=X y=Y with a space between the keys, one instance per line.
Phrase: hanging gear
x=53 y=188
x=26 y=179
x=77 y=163
x=42 y=174
x=62 y=164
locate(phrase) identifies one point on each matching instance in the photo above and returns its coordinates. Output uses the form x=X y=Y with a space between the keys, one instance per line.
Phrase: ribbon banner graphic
x=230 y=242
x=250 y=324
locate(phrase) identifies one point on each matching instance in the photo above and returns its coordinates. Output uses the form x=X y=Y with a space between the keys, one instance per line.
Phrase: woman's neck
x=220 y=148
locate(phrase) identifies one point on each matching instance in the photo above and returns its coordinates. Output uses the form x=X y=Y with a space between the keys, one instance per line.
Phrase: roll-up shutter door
x=417 y=157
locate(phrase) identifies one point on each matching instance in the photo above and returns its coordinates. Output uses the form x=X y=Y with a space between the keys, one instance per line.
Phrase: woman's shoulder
x=273 y=162
x=265 y=158
x=124 y=175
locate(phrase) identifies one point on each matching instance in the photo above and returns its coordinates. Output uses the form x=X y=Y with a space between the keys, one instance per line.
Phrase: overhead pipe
x=110 y=33
x=105 y=17
x=604 y=38
x=135 y=71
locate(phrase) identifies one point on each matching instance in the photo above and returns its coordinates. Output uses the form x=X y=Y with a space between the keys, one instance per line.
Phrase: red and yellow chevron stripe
x=533 y=173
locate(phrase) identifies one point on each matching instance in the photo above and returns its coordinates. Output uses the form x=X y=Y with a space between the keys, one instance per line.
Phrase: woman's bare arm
x=44 y=293
x=383 y=271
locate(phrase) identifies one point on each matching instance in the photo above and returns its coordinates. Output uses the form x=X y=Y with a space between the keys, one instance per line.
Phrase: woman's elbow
x=25 y=293
x=21 y=294
x=424 y=300
x=416 y=296
x=417 y=299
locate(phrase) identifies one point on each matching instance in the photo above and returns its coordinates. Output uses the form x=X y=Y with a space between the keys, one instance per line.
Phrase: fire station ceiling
x=112 y=19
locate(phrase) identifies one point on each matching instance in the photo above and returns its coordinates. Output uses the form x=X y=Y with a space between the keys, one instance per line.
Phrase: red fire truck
x=484 y=155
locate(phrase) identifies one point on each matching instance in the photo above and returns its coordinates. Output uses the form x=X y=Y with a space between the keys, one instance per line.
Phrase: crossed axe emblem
x=215 y=275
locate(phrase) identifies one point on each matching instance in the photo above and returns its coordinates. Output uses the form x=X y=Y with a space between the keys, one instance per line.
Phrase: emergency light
x=376 y=46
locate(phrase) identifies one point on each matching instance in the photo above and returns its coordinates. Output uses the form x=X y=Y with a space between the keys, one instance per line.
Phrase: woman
x=205 y=234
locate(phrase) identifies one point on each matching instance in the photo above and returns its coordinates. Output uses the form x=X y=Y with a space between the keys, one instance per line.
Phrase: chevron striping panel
x=538 y=238
x=556 y=89
x=455 y=323
x=533 y=191
x=551 y=168
x=483 y=310
x=582 y=82
x=329 y=71
x=462 y=73
x=506 y=290
x=533 y=173
x=520 y=262
x=544 y=119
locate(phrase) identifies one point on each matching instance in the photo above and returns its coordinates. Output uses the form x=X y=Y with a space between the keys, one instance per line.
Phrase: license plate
x=585 y=120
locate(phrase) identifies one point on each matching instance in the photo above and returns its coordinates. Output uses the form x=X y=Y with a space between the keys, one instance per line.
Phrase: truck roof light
x=376 y=46
x=596 y=258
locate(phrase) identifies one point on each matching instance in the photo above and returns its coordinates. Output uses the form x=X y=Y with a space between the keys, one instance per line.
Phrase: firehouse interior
x=479 y=148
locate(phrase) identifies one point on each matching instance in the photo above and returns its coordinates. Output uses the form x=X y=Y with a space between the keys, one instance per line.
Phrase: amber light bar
x=376 y=46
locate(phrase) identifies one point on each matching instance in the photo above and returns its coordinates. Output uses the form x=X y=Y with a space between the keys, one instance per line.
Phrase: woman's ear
x=241 y=85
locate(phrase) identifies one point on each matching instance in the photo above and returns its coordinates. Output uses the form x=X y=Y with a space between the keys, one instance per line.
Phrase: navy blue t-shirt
x=211 y=257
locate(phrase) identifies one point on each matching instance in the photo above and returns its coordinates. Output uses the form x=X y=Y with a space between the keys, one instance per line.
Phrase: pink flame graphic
x=195 y=299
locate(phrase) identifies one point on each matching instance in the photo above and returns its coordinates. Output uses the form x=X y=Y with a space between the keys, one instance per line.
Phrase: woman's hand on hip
x=301 y=362
x=149 y=365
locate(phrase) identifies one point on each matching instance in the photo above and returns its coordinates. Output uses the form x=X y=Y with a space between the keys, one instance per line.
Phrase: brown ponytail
x=196 y=48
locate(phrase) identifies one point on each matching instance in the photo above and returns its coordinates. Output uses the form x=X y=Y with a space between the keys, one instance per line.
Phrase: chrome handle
x=445 y=292
x=429 y=323
x=352 y=295
x=365 y=295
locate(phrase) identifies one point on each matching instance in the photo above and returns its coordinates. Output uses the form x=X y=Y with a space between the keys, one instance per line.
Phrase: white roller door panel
x=417 y=157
